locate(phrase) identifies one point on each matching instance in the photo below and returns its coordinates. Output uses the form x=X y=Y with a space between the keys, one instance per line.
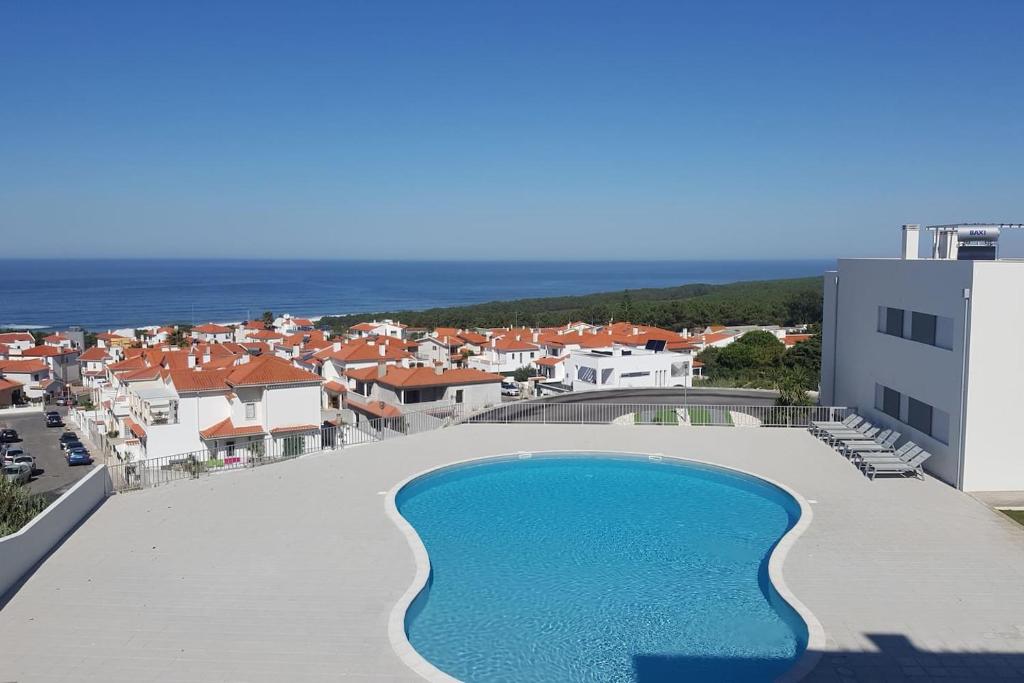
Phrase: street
x=54 y=476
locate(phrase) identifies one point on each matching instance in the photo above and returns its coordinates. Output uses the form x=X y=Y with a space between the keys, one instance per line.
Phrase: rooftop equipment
x=966 y=241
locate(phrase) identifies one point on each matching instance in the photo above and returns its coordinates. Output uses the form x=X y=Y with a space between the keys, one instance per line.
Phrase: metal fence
x=254 y=452
x=658 y=414
x=139 y=474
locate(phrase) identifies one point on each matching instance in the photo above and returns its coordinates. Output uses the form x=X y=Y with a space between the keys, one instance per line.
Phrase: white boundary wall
x=20 y=551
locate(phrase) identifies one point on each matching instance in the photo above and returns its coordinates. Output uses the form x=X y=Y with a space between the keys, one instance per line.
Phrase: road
x=54 y=476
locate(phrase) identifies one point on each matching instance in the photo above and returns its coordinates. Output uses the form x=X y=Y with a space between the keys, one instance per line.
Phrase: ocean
x=108 y=294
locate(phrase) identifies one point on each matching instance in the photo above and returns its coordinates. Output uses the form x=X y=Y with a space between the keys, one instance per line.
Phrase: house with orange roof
x=32 y=374
x=211 y=332
x=359 y=353
x=286 y=324
x=93 y=362
x=226 y=413
x=17 y=341
x=386 y=328
x=62 y=361
x=421 y=388
x=58 y=340
x=507 y=352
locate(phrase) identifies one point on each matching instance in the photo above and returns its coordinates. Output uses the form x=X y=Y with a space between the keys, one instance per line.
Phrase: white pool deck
x=290 y=571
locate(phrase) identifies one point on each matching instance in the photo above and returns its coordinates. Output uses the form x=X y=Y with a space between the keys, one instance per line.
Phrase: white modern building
x=930 y=347
x=620 y=368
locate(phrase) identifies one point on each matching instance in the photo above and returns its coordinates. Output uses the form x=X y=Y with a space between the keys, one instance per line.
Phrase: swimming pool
x=593 y=567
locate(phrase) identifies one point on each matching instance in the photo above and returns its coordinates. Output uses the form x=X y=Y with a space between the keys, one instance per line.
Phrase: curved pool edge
x=414 y=660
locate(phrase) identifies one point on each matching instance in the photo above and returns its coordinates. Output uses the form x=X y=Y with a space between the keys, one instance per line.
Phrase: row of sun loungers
x=870 y=448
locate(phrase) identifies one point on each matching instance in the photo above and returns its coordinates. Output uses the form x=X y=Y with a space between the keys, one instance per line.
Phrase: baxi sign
x=977 y=234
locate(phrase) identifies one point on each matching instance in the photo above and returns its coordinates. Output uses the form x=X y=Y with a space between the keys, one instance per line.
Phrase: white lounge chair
x=882 y=443
x=912 y=466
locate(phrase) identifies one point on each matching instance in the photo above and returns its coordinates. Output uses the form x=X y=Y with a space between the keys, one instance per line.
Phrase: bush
x=17 y=507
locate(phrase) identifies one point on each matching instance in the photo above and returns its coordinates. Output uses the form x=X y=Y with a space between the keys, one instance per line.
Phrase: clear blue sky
x=504 y=129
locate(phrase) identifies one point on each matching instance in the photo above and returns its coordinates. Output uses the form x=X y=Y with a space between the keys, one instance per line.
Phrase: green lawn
x=1015 y=515
x=703 y=416
x=662 y=416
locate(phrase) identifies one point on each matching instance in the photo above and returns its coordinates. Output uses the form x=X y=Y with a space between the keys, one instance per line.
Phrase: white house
x=93 y=363
x=387 y=328
x=229 y=413
x=32 y=374
x=930 y=347
x=62 y=361
x=506 y=354
x=621 y=367
x=421 y=388
x=17 y=341
x=211 y=332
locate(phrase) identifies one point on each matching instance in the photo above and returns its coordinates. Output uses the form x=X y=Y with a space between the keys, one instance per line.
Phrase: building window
x=888 y=400
x=890 y=321
x=250 y=411
x=606 y=375
x=922 y=328
x=919 y=415
x=585 y=374
x=458 y=395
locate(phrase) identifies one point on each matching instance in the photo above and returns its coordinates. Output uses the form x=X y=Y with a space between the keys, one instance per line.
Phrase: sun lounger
x=912 y=466
x=849 y=423
x=902 y=454
x=834 y=437
x=882 y=443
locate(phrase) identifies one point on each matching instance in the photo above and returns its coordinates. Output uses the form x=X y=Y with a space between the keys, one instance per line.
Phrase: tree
x=805 y=356
x=792 y=387
x=522 y=374
x=268 y=318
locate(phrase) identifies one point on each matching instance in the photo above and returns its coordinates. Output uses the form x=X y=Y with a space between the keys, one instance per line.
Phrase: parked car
x=54 y=421
x=63 y=401
x=27 y=459
x=509 y=387
x=71 y=445
x=17 y=474
x=78 y=456
x=68 y=436
x=9 y=436
x=10 y=453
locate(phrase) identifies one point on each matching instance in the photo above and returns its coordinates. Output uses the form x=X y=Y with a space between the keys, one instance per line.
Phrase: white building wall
x=993 y=456
x=642 y=369
x=286 y=406
x=865 y=357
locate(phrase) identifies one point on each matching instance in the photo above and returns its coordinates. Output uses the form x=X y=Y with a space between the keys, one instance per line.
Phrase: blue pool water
x=599 y=568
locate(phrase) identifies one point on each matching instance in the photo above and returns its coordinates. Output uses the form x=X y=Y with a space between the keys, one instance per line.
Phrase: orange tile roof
x=794 y=339
x=94 y=353
x=362 y=351
x=269 y=370
x=140 y=375
x=11 y=337
x=198 y=380
x=510 y=343
x=549 y=361
x=405 y=378
x=294 y=428
x=45 y=351
x=133 y=363
x=135 y=428
x=303 y=322
x=335 y=387
x=211 y=328
x=21 y=366
x=266 y=335
x=374 y=408
x=6 y=384
x=226 y=428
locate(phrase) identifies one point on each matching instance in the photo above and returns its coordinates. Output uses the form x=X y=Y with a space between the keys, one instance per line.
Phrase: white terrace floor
x=289 y=572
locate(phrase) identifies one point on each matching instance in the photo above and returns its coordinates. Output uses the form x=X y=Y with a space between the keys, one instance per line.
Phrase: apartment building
x=929 y=347
x=620 y=367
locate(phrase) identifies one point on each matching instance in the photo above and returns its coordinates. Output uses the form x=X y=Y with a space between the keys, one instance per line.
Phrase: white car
x=26 y=459
x=509 y=387
x=17 y=474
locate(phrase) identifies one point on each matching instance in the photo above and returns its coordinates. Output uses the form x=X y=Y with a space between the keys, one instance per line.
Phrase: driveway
x=54 y=476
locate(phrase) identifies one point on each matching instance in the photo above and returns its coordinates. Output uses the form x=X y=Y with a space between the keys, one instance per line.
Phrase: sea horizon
x=103 y=294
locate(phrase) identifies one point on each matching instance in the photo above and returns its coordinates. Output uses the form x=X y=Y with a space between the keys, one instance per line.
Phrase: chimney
x=636 y=330
x=911 y=235
x=536 y=336
x=191 y=360
x=206 y=356
x=580 y=332
x=492 y=342
x=382 y=369
x=382 y=350
x=336 y=346
x=438 y=370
